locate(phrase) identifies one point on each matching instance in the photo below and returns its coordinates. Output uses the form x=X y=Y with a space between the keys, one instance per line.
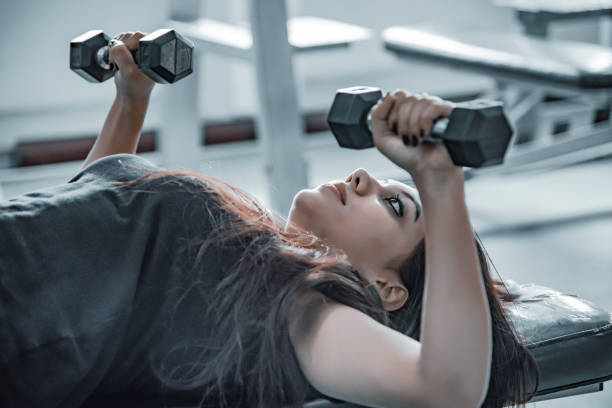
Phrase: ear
x=394 y=295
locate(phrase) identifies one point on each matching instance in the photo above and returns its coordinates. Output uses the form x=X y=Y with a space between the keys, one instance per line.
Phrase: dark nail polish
x=406 y=140
x=394 y=128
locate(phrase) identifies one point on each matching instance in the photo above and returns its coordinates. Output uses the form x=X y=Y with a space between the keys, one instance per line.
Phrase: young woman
x=135 y=286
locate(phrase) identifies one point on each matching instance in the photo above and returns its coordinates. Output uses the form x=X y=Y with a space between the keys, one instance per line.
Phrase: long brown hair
x=248 y=359
x=514 y=373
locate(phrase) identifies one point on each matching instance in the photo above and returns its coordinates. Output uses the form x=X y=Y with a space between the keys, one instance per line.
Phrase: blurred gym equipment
x=557 y=93
x=536 y=16
x=164 y=55
x=476 y=134
x=279 y=121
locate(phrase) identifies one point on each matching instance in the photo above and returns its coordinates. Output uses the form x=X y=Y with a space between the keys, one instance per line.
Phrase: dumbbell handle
x=102 y=57
x=434 y=135
x=476 y=134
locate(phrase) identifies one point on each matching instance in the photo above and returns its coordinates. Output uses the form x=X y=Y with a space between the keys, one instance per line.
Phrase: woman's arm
x=121 y=130
x=348 y=355
x=456 y=334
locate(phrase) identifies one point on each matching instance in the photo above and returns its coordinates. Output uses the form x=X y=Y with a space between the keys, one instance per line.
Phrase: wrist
x=433 y=183
x=132 y=100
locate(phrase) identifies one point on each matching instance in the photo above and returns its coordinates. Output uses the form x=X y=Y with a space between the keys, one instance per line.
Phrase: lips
x=341 y=187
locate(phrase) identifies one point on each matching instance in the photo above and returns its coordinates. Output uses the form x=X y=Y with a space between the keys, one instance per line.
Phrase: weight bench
x=536 y=15
x=570 y=339
x=558 y=94
x=305 y=33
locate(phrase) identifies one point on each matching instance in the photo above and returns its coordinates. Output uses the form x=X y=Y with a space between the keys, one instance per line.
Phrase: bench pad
x=514 y=55
x=569 y=337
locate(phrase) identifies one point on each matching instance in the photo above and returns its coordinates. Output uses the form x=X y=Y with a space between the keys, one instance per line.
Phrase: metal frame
x=279 y=122
x=545 y=150
x=536 y=16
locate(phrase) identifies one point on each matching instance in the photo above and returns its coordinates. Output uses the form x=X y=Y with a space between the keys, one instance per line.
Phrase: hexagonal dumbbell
x=476 y=134
x=164 y=55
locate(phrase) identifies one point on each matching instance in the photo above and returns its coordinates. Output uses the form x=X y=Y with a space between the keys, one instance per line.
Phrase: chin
x=303 y=208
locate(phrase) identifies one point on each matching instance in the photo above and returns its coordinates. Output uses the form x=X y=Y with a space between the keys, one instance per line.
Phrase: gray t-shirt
x=90 y=279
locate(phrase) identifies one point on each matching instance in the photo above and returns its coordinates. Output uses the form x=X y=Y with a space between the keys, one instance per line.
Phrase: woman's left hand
x=400 y=121
x=129 y=81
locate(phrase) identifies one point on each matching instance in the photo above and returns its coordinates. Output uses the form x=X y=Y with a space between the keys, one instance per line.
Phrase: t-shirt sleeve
x=116 y=167
x=82 y=271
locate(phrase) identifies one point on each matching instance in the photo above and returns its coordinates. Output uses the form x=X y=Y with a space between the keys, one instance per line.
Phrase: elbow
x=456 y=396
x=455 y=400
x=468 y=400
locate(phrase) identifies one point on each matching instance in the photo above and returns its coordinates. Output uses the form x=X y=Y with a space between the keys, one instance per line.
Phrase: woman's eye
x=394 y=200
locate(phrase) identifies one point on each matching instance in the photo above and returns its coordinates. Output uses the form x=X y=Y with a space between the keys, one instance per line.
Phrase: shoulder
x=347 y=355
x=137 y=174
x=117 y=167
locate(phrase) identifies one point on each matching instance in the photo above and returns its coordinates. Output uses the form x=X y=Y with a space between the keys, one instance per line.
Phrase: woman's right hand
x=129 y=81
x=399 y=121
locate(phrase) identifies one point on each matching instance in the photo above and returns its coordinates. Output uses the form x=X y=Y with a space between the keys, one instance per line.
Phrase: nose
x=361 y=181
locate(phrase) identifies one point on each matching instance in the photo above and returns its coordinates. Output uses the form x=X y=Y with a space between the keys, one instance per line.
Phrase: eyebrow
x=417 y=213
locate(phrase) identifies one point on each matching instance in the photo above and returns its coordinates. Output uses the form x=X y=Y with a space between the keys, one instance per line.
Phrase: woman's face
x=376 y=223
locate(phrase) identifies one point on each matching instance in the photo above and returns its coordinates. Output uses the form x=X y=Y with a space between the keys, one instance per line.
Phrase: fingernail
x=112 y=43
x=406 y=140
x=388 y=94
x=394 y=128
x=415 y=141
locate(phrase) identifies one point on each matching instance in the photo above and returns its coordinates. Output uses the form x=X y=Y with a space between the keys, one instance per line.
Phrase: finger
x=131 y=40
x=398 y=95
x=447 y=108
x=415 y=117
x=427 y=118
x=434 y=112
x=408 y=141
x=122 y=57
x=404 y=112
x=380 y=124
x=112 y=42
x=381 y=110
x=392 y=118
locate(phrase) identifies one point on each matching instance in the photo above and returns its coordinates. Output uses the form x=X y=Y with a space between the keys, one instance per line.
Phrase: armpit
x=305 y=313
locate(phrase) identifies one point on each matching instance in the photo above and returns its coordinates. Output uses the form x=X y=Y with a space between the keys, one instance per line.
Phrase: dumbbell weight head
x=87 y=56
x=476 y=134
x=348 y=116
x=164 y=55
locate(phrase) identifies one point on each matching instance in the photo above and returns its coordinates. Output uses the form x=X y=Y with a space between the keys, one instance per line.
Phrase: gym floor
x=567 y=246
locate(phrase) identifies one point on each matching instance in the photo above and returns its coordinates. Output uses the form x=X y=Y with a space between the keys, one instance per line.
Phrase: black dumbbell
x=476 y=134
x=164 y=55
